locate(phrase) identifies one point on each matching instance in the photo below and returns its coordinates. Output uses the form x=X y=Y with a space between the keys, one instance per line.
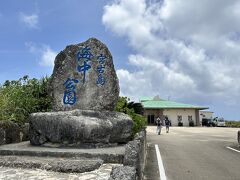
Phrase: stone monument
x=84 y=89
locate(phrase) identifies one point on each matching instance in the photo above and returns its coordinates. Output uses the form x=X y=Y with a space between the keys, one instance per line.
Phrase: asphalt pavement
x=194 y=153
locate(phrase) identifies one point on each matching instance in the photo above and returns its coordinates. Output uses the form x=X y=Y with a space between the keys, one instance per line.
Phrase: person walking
x=167 y=124
x=159 y=125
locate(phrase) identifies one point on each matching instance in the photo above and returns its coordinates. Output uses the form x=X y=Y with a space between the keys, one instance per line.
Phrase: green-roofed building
x=176 y=112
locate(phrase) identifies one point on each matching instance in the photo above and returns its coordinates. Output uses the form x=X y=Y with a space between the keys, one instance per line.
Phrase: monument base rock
x=79 y=127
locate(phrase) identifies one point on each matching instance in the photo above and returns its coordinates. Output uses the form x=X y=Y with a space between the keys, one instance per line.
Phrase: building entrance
x=151 y=119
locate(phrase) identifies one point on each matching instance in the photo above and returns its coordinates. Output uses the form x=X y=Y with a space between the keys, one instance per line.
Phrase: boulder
x=12 y=131
x=78 y=127
x=123 y=173
x=84 y=78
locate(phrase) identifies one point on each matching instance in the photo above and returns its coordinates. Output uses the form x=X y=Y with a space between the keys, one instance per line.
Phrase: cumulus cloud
x=48 y=57
x=30 y=21
x=45 y=55
x=185 y=49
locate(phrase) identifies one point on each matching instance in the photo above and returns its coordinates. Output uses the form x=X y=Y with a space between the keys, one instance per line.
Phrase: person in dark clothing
x=159 y=125
x=167 y=123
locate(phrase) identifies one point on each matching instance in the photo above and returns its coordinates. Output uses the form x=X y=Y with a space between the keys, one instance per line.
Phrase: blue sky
x=56 y=25
x=184 y=50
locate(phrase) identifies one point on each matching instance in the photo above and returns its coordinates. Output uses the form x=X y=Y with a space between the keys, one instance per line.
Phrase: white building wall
x=174 y=113
x=206 y=114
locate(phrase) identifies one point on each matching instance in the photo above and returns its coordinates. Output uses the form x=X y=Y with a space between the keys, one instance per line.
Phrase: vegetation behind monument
x=18 y=99
x=131 y=108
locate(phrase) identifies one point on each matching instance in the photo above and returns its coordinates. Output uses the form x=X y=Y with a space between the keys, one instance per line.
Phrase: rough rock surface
x=7 y=173
x=123 y=173
x=84 y=78
x=66 y=165
x=12 y=132
x=135 y=153
x=131 y=157
x=25 y=132
x=108 y=154
x=80 y=127
x=2 y=136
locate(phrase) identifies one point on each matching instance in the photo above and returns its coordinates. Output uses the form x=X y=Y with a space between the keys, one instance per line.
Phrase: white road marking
x=233 y=149
x=172 y=133
x=203 y=140
x=160 y=164
x=185 y=135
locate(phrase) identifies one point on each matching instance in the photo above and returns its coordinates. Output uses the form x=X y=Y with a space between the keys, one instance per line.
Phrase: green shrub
x=232 y=123
x=139 y=121
x=20 y=98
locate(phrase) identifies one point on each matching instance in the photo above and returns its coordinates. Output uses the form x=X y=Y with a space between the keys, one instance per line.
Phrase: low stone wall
x=12 y=132
x=134 y=157
x=134 y=160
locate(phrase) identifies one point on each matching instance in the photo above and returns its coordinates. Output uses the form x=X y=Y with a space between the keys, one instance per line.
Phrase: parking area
x=194 y=153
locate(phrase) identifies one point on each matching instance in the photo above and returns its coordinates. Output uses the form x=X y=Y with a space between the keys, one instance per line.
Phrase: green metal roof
x=164 y=104
x=145 y=98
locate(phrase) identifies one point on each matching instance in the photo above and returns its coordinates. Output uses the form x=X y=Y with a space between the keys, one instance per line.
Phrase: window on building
x=179 y=117
x=189 y=118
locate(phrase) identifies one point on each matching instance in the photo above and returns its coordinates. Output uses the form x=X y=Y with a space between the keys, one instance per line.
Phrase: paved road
x=194 y=153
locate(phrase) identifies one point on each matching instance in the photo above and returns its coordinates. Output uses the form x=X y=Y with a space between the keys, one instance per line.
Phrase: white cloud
x=186 y=49
x=48 y=57
x=31 y=21
x=45 y=55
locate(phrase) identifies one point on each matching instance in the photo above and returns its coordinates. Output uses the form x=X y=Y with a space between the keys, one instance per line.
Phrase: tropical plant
x=123 y=105
x=20 y=98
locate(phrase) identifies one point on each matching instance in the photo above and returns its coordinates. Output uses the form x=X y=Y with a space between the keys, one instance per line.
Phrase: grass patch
x=232 y=123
